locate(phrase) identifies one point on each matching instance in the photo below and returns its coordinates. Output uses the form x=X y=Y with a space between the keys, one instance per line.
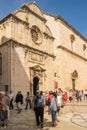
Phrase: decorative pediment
x=38 y=68
x=33 y=8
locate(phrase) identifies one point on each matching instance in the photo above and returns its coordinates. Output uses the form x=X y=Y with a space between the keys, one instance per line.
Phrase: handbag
x=58 y=108
x=48 y=102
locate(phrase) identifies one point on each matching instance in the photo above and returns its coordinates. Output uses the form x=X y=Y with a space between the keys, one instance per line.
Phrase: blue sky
x=73 y=11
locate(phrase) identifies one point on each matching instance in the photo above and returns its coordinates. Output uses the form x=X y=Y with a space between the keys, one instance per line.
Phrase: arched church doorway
x=74 y=77
x=35 y=84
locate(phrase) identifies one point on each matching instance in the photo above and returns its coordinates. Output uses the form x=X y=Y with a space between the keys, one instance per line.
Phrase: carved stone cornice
x=38 y=68
x=12 y=41
x=13 y=18
x=73 y=53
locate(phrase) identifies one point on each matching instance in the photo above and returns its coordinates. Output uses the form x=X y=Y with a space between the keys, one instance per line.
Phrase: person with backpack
x=38 y=104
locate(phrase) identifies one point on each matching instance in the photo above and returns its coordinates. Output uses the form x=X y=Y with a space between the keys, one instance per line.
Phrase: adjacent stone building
x=40 y=51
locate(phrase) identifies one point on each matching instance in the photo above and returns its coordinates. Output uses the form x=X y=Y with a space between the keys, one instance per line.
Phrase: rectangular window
x=6 y=88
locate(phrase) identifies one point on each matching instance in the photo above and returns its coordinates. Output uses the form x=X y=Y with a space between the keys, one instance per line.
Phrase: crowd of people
x=52 y=102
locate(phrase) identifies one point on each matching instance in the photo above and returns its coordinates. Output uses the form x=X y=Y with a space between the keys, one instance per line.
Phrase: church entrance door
x=35 y=84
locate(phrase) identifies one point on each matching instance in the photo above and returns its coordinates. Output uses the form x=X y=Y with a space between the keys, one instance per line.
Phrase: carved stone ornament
x=72 y=38
x=36 y=34
x=38 y=68
x=74 y=74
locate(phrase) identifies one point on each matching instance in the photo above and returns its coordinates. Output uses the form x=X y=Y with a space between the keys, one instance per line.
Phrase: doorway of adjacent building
x=35 y=84
x=73 y=84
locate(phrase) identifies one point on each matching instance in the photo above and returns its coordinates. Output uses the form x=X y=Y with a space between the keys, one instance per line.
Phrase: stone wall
x=68 y=58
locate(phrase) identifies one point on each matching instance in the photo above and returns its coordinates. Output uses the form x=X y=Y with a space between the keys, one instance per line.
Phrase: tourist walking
x=28 y=101
x=59 y=104
x=78 y=95
x=85 y=94
x=49 y=100
x=11 y=96
x=4 y=109
x=38 y=107
x=53 y=107
x=19 y=101
x=70 y=95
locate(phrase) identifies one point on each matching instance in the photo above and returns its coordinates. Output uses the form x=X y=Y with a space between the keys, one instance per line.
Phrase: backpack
x=39 y=101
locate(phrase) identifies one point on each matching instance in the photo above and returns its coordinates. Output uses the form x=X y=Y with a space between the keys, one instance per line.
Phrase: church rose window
x=36 y=34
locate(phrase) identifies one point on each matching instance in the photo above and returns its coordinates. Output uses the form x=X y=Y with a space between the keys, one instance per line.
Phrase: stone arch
x=36 y=75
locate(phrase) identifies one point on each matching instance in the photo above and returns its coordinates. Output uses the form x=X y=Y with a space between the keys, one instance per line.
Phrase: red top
x=50 y=97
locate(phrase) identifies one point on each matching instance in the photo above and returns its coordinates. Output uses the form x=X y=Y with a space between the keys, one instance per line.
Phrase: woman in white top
x=53 y=109
x=59 y=103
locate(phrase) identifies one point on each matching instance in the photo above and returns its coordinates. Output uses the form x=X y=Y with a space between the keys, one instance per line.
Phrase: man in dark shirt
x=19 y=101
x=38 y=107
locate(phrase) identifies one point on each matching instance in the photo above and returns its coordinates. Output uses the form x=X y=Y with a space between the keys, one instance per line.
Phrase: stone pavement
x=72 y=117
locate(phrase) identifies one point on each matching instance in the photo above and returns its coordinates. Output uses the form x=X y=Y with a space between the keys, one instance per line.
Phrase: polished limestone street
x=72 y=117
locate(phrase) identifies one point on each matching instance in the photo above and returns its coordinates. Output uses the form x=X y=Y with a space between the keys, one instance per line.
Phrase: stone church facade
x=40 y=51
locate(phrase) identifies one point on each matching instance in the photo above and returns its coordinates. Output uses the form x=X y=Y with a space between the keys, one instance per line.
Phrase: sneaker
x=58 y=120
x=41 y=125
x=54 y=124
